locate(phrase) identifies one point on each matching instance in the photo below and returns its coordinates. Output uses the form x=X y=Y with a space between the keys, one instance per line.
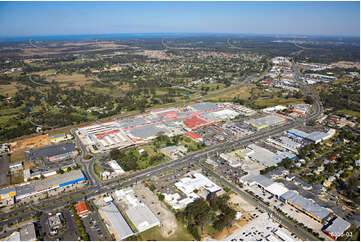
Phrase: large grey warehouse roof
x=306 y=204
x=316 y=136
x=118 y=221
x=298 y=132
x=7 y=190
x=338 y=226
x=204 y=106
x=50 y=151
x=147 y=131
x=261 y=180
x=125 y=123
x=49 y=182
x=142 y=217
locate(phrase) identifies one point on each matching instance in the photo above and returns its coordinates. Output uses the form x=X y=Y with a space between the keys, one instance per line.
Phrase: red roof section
x=100 y=136
x=193 y=122
x=193 y=135
x=81 y=208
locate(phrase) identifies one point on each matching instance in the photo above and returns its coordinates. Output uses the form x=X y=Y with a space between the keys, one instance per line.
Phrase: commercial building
x=262 y=155
x=138 y=213
x=298 y=133
x=188 y=185
x=119 y=226
x=268 y=185
x=15 y=167
x=225 y=114
x=315 y=137
x=286 y=143
x=28 y=175
x=147 y=132
x=300 y=108
x=264 y=122
x=103 y=136
x=194 y=136
x=115 y=167
x=27 y=233
x=211 y=162
x=336 y=228
x=143 y=128
x=55 y=223
x=174 y=151
x=274 y=109
x=57 y=138
x=53 y=153
x=54 y=182
x=82 y=209
x=283 y=155
x=205 y=106
x=318 y=137
x=306 y=206
x=7 y=196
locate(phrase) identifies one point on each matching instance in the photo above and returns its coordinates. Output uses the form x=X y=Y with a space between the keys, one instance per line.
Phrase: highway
x=95 y=187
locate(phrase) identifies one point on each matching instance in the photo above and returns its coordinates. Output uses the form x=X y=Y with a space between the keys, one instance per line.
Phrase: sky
x=77 y=18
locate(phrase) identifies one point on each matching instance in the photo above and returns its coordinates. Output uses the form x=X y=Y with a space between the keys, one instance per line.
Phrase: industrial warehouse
x=115 y=220
x=267 y=121
x=306 y=206
x=48 y=184
x=53 y=153
x=143 y=128
x=193 y=186
x=138 y=213
x=315 y=137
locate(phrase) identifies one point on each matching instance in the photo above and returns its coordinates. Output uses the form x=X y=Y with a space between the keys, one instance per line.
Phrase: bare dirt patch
x=10 y=89
x=168 y=222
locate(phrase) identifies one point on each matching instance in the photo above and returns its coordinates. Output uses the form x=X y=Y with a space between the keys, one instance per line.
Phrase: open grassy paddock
x=154 y=234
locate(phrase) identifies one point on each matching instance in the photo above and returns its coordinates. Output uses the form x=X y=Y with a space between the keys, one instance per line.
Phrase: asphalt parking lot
x=94 y=228
x=67 y=233
x=212 y=135
x=165 y=184
x=230 y=173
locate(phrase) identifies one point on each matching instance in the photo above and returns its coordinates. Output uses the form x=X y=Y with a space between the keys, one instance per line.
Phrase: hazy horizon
x=100 y=18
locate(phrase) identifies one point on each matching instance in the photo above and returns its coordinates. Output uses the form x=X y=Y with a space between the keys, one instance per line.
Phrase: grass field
x=10 y=89
x=212 y=86
x=73 y=81
x=65 y=130
x=349 y=112
x=154 y=234
x=277 y=101
x=242 y=92
x=97 y=169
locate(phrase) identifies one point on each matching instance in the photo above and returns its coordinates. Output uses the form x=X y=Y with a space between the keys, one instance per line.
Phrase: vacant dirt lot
x=168 y=222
